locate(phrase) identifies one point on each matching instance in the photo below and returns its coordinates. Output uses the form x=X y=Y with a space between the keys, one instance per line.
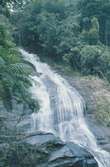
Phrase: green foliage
x=91 y=35
x=101 y=10
x=14 y=73
x=90 y=59
x=46 y=26
x=73 y=58
x=95 y=60
x=54 y=30
x=103 y=111
x=23 y=154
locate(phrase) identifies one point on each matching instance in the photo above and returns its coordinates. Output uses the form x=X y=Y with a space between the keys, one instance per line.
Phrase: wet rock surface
x=91 y=89
x=44 y=150
x=50 y=151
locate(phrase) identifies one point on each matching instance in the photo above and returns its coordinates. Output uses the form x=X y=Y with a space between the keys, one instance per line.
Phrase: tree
x=47 y=27
x=99 y=9
x=14 y=73
x=90 y=33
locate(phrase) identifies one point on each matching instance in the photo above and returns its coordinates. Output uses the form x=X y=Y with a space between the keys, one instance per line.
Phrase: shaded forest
x=74 y=33
x=67 y=34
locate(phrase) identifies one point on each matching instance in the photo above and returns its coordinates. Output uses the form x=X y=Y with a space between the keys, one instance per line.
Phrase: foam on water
x=70 y=123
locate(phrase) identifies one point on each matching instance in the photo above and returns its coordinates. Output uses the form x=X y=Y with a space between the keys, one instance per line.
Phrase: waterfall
x=61 y=110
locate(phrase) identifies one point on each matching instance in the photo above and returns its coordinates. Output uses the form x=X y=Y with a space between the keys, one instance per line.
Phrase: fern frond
x=6 y=95
x=19 y=68
x=2 y=62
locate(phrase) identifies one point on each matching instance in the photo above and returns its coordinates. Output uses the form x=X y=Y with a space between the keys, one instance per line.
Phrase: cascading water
x=61 y=110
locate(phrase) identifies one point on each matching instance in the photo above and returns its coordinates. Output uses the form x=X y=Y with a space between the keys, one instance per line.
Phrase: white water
x=67 y=120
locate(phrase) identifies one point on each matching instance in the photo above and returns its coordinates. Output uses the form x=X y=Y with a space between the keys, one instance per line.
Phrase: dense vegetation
x=74 y=33
x=59 y=31
x=14 y=80
x=14 y=72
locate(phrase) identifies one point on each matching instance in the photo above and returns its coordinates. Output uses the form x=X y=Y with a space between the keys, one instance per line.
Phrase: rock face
x=96 y=93
x=46 y=150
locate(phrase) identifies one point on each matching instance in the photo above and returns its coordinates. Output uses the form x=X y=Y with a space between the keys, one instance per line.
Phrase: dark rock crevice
x=45 y=150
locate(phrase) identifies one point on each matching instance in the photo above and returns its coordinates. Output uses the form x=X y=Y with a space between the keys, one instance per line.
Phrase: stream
x=61 y=109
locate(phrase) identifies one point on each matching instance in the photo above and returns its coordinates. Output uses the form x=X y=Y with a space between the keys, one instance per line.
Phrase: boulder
x=44 y=150
x=55 y=153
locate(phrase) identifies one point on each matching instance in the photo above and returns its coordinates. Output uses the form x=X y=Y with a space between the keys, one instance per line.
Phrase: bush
x=90 y=59
x=73 y=58
x=103 y=111
x=14 y=73
x=91 y=35
x=47 y=28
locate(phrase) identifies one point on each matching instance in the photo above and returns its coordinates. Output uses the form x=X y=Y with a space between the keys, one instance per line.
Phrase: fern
x=13 y=77
x=14 y=72
x=6 y=95
x=2 y=62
